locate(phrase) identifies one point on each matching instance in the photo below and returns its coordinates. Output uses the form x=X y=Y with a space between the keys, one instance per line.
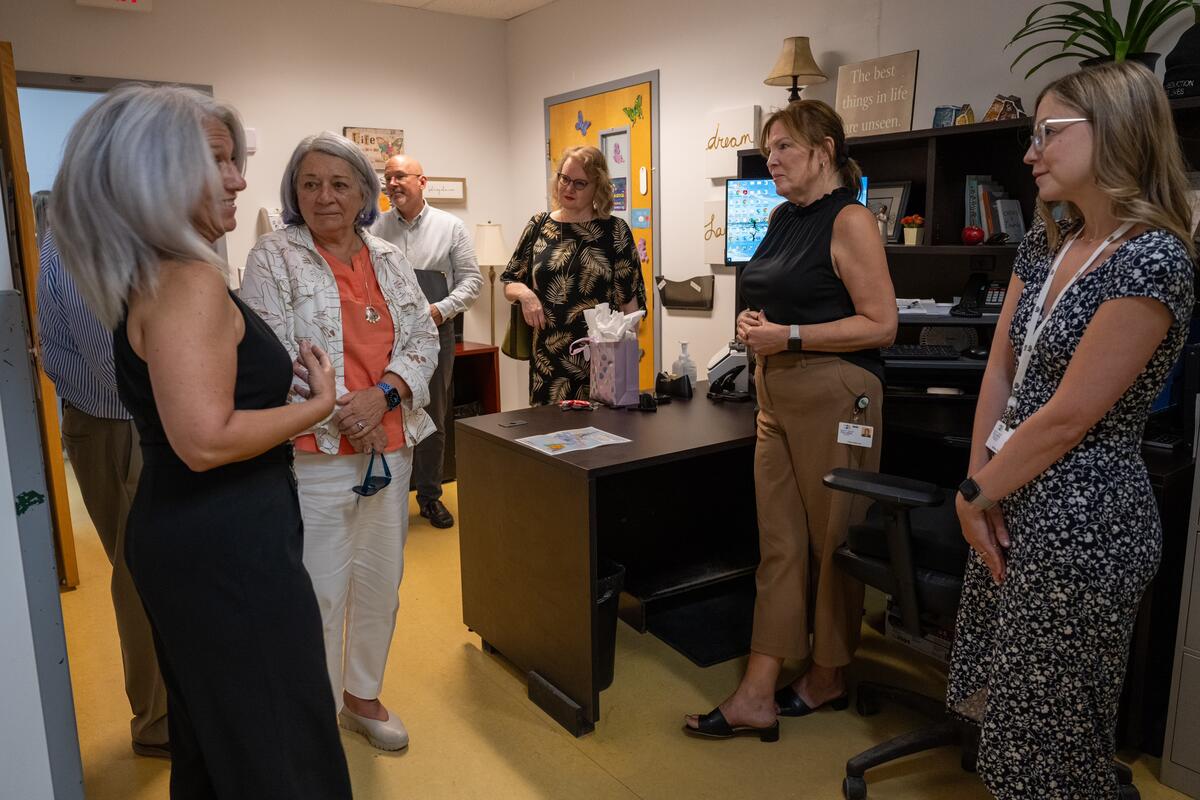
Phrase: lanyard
x=1037 y=320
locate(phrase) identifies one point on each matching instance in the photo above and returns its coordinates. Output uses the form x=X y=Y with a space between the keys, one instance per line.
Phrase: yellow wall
x=605 y=111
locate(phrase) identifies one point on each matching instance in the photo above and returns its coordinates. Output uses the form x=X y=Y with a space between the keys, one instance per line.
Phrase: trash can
x=609 y=581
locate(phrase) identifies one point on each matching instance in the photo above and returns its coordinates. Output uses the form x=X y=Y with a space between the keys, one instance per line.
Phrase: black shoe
x=153 y=750
x=437 y=514
x=713 y=725
x=792 y=705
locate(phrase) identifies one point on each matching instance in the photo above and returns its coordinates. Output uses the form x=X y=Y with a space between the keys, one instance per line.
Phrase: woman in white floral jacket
x=326 y=280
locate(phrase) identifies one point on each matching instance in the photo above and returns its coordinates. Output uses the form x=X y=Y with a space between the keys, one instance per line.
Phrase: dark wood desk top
x=681 y=429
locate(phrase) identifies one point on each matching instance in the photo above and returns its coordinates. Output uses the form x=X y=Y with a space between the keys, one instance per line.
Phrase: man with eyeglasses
x=437 y=246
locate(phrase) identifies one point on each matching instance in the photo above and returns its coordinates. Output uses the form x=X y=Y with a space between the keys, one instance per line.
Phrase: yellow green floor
x=475 y=735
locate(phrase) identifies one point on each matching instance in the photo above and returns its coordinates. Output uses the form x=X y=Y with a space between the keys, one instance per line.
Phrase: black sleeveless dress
x=215 y=556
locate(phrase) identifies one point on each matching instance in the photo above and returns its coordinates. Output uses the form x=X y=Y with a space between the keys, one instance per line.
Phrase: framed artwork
x=888 y=200
x=377 y=144
x=446 y=191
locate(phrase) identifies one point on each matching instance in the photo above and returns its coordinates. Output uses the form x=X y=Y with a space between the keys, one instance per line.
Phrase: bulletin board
x=620 y=118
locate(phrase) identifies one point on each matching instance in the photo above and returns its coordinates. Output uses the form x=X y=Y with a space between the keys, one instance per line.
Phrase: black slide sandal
x=792 y=704
x=713 y=725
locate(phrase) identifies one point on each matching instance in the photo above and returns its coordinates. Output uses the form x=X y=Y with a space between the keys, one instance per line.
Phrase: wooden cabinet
x=476 y=390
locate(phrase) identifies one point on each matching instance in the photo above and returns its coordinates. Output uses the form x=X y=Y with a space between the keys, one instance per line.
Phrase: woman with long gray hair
x=324 y=280
x=213 y=538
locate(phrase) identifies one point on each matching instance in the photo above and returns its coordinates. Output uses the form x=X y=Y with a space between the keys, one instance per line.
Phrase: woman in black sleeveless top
x=820 y=303
x=213 y=539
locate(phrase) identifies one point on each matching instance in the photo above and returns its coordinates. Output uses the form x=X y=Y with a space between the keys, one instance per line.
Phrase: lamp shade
x=490 y=249
x=796 y=62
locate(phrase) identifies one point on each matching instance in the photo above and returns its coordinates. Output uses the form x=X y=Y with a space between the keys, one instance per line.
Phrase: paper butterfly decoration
x=617 y=157
x=634 y=112
x=642 y=250
x=582 y=125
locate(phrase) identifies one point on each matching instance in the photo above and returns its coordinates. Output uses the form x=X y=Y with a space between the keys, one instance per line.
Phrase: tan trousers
x=802 y=398
x=107 y=461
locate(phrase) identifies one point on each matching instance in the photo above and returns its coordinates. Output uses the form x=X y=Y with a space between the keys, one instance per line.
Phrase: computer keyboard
x=936 y=352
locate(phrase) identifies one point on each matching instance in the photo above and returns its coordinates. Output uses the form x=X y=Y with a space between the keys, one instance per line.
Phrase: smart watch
x=391 y=394
x=970 y=491
x=794 y=344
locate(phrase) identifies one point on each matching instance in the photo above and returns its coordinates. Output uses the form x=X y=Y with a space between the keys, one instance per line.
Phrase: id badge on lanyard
x=1037 y=323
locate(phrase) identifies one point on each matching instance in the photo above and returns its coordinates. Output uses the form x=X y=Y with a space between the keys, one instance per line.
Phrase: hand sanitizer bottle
x=684 y=364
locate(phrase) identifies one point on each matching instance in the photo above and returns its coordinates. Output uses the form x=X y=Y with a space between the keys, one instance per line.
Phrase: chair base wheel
x=968 y=762
x=854 y=788
x=865 y=705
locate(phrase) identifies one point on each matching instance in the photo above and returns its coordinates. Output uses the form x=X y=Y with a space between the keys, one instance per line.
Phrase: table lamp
x=796 y=67
x=491 y=252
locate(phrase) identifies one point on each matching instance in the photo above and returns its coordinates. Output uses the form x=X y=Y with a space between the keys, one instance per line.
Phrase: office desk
x=675 y=506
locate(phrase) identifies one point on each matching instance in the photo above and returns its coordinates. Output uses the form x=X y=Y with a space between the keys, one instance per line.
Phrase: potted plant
x=914 y=226
x=1094 y=35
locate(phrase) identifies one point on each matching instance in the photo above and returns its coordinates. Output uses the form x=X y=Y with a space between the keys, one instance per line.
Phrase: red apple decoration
x=972 y=234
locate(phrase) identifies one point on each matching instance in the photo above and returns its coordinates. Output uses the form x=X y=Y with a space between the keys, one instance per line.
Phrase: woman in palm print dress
x=568 y=261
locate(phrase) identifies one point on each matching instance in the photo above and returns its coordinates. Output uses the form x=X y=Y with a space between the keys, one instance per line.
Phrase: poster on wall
x=727 y=132
x=714 y=232
x=877 y=96
x=377 y=144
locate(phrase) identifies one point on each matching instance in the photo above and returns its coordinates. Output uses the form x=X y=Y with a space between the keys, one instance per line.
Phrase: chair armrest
x=888 y=489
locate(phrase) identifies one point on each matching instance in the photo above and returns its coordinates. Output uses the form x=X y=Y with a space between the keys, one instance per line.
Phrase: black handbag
x=693 y=294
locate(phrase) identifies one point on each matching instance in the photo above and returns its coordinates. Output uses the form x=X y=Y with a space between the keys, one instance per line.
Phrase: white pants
x=354 y=553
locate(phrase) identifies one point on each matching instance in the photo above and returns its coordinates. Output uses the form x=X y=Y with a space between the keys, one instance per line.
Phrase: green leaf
x=1068 y=22
x=1135 y=6
x=1055 y=57
x=1073 y=41
x=1155 y=16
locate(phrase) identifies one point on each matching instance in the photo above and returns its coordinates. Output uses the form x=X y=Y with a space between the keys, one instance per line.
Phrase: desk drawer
x=1185 y=744
x=1191 y=637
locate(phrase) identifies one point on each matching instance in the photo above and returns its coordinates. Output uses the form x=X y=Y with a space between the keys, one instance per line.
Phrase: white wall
x=714 y=54
x=295 y=67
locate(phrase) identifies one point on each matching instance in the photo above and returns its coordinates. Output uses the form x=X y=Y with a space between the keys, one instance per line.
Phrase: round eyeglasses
x=579 y=185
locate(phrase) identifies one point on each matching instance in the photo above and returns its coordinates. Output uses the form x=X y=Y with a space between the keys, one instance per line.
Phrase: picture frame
x=446 y=191
x=377 y=144
x=893 y=195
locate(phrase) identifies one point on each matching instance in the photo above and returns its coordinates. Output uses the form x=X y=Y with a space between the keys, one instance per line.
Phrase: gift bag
x=615 y=372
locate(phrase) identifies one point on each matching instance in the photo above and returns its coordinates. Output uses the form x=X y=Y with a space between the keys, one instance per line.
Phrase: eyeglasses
x=399 y=176
x=371 y=484
x=1048 y=128
x=576 y=183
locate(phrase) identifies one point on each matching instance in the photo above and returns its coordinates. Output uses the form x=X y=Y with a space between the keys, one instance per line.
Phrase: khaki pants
x=801 y=523
x=107 y=460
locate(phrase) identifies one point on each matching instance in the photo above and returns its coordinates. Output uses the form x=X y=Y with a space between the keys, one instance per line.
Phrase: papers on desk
x=560 y=442
x=922 y=306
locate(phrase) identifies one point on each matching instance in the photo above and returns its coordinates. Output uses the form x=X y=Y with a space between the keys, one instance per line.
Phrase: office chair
x=910 y=547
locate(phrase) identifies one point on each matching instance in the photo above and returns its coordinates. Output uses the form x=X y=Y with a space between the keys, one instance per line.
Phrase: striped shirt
x=77 y=350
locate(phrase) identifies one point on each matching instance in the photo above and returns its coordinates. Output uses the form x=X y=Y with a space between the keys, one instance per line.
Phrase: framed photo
x=446 y=191
x=889 y=200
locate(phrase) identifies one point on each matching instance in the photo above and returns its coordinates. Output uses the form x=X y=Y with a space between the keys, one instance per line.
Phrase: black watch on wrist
x=391 y=394
x=794 y=344
x=971 y=492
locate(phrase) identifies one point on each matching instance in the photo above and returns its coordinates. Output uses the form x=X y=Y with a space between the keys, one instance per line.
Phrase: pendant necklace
x=371 y=314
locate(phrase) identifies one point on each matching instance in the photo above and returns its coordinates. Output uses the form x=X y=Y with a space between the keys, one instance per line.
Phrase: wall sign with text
x=727 y=132
x=377 y=144
x=877 y=96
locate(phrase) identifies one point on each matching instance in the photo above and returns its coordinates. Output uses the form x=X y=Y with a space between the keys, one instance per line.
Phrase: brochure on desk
x=560 y=442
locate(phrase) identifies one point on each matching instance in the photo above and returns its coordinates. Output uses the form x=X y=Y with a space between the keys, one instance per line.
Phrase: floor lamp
x=491 y=252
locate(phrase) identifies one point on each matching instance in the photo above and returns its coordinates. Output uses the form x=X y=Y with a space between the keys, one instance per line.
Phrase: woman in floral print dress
x=1098 y=310
x=568 y=261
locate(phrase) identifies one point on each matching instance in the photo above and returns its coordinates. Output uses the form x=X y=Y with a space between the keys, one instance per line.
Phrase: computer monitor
x=748 y=207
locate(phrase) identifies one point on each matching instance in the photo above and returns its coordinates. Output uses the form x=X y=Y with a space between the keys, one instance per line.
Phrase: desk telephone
x=980 y=296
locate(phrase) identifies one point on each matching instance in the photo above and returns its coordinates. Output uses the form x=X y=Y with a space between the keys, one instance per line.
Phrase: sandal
x=791 y=704
x=713 y=725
